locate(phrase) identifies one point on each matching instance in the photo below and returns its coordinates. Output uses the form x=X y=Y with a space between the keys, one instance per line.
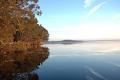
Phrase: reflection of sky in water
x=87 y=48
x=85 y=61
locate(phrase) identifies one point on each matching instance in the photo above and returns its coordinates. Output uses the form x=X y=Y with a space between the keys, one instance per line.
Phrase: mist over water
x=85 y=48
x=98 y=60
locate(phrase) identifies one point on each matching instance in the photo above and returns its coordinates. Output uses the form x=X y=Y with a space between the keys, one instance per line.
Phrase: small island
x=65 y=42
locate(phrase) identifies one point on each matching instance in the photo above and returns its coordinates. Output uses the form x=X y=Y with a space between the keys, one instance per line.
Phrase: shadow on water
x=19 y=65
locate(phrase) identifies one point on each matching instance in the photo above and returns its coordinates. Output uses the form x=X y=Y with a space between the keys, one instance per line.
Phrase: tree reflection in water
x=18 y=65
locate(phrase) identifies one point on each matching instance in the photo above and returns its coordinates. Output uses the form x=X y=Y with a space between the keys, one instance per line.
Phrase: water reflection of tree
x=18 y=65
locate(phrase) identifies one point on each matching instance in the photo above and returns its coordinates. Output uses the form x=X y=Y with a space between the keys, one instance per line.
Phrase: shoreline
x=19 y=46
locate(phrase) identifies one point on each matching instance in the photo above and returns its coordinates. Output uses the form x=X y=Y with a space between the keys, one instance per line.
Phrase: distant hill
x=78 y=41
x=64 y=42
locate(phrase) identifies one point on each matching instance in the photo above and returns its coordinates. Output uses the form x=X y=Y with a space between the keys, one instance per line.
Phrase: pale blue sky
x=81 y=19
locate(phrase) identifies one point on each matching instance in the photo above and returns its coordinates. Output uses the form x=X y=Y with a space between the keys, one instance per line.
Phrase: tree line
x=18 y=22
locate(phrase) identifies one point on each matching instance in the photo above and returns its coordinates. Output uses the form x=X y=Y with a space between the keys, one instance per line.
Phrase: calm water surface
x=85 y=61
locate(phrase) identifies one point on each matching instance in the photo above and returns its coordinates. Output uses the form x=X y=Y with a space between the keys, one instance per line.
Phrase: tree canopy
x=18 y=22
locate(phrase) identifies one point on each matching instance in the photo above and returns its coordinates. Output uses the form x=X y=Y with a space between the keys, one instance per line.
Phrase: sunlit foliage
x=18 y=22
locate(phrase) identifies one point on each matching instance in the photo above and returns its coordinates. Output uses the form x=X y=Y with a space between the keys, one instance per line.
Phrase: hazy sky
x=81 y=19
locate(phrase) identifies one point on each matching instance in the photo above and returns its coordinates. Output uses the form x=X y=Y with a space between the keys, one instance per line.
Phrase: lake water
x=83 y=61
